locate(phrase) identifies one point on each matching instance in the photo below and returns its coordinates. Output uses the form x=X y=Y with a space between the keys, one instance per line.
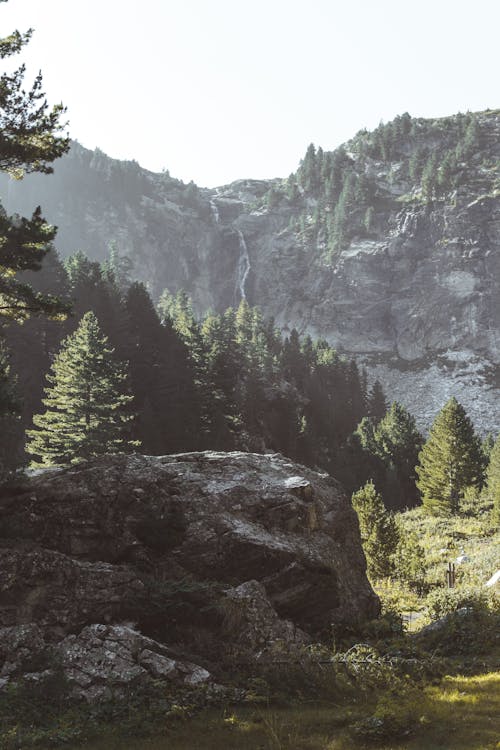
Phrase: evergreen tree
x=446 y=172
x=161 y=379
x=87 y=404
x=416 y=163
x=493 y=479
x=9 y=417
x=398 y=444
x=377 y=405
x=29 y=142
x=487 y=446
x=450 y=461
x=365 y=432
x=429 y=178
x=379 y=534
x=219 y=338
x=117 y=269
x=308 y=171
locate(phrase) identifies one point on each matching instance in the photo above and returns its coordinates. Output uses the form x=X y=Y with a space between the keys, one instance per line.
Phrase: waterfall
x=243 y=265
x=215 y=211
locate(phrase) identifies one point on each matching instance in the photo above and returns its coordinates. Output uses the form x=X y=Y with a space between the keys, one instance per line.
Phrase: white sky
x=216 y=90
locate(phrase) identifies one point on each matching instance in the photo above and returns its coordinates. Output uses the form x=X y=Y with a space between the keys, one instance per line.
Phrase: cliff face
x=415 y=296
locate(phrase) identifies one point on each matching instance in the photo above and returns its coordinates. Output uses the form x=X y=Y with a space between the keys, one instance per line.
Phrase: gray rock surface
x=100 y=662
x=210 y=555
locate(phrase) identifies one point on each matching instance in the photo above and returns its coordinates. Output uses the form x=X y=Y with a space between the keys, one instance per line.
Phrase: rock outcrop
x=204 y=555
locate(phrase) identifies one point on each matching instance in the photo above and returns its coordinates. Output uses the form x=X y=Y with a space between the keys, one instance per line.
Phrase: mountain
x=388 y=247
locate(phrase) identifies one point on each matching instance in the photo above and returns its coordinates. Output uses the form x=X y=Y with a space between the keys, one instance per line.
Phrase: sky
x=217 y=90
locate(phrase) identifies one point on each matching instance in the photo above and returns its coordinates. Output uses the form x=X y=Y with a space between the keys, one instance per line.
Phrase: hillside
x=387 y=247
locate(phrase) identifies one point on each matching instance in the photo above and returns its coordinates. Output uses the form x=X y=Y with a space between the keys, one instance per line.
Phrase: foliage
x=393 y=440
x=9 y=414
x=409 y=560
x=493 y=479
x=470 y=623
x=444 y=538
x=29 y=142
x=379 y=535
x=86 y=401
x=450 y=461
x=443 y=602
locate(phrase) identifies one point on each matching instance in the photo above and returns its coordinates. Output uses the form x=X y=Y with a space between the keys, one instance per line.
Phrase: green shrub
x=442 y=602
x=470 y=624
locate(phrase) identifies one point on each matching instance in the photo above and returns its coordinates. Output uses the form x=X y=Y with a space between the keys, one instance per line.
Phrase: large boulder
x=128 y=567
x=218 y=517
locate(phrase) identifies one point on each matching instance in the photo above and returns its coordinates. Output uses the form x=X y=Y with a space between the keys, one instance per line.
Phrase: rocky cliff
x=134 y=568
x=413 y=291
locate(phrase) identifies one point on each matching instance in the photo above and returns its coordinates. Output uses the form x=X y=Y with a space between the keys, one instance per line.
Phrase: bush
x=443 y=602
x=467 y=622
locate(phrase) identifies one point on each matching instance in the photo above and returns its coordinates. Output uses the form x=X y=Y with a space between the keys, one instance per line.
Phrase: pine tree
x=450 y=461
x=429 y=178
x=162 y=377
x=487 y=446
x=398 y=445
x=87 y=404
x=379 y=534
x=416 y=163
x=493 y=479
x=29 y=142
x=377 y=405
x=9 y=417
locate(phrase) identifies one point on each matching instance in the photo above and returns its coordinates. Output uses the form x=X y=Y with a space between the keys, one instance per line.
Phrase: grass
x=461 y=713
x=443 y=540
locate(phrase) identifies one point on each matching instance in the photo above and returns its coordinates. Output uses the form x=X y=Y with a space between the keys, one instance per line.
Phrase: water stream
x=215 y=211
x=243 y=265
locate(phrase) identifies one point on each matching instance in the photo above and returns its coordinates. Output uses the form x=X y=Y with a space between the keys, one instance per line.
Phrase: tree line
x=225 y=381
x=124 y=374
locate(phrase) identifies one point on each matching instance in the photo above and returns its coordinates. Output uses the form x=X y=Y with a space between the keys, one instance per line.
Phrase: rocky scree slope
x=134 y=568
x=403 y=271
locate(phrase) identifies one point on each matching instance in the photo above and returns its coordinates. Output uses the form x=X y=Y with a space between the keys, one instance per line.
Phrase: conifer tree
x=429 y=178
x=377 y=405
x=493 y=479
x=487 y=446
x=450 y=461
x=9 y=416
x=87 y=404
x=399 y=443
x=379 y=534
x=29 y=142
